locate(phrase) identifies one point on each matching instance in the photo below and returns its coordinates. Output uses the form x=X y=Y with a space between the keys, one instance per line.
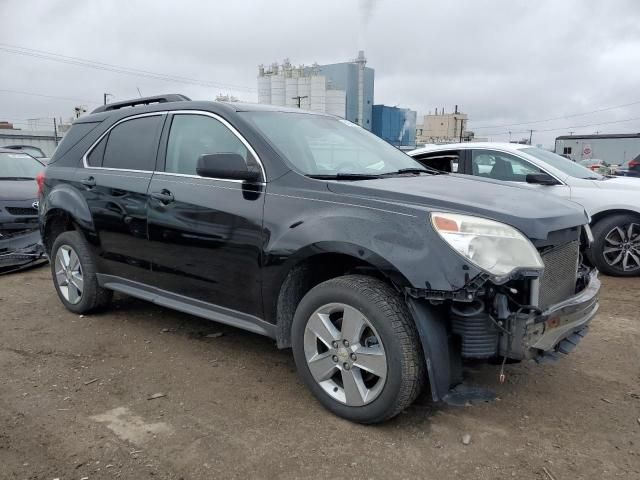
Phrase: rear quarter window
x=75 y=134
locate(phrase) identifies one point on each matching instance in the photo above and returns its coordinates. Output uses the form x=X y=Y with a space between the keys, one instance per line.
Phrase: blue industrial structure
x=357 y=81
x=395 y=125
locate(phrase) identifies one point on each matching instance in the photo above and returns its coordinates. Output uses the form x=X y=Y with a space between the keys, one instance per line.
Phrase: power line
x=83 y=62
x=573 y=115
x=564 y=128
x=20 y=92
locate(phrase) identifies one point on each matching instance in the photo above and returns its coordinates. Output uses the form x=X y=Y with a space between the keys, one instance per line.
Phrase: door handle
x=165 y=196
x=88 y=182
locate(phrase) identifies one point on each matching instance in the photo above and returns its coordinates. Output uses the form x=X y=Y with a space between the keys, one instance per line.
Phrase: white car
x=612 y=202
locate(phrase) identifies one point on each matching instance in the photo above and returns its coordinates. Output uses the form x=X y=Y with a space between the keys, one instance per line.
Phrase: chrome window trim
x=234 y=131
x=90 y=149
x=156 y=172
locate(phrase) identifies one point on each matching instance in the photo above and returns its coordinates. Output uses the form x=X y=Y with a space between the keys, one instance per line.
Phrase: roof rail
x=172 y=97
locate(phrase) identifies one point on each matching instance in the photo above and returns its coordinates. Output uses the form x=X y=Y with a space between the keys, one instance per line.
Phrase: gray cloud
x=502 y=62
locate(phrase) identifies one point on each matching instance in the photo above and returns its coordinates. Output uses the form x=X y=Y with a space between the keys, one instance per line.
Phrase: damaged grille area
x=558 y=281
x=22 y=211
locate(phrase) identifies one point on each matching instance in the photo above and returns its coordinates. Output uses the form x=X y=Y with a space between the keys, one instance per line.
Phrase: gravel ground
x=75 y=403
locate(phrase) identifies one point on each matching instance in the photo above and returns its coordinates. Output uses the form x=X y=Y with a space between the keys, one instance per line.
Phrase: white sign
x=586 y=151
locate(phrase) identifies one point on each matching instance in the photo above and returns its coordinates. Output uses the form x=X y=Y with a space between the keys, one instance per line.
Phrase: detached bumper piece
x=19 y=250
x=557 y=330
x=565 y=347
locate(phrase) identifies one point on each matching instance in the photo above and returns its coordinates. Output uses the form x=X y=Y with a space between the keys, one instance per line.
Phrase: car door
x=449 y=161
x=114 y=181
x=205 y=233
x=507 y=167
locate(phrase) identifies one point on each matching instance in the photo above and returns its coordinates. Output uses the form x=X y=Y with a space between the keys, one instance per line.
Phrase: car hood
x=18 y=189
x=619 y=183
x=534 y=214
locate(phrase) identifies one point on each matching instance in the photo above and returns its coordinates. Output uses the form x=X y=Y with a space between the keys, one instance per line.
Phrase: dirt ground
x=74 y=403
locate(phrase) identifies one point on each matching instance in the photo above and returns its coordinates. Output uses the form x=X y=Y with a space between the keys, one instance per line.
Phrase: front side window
x=192 y=136
x=132 y=145
x=501 y=166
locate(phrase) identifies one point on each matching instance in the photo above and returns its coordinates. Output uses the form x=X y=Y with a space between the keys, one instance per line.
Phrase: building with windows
x=442 y=127
x=342 y=89
x=396 y=126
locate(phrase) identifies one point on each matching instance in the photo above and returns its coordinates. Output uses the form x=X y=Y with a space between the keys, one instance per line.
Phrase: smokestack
x=456 y=111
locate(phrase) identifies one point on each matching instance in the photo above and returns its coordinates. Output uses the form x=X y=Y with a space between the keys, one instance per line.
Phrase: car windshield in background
x=567 y=166
x=318 y=145
x=18 y=166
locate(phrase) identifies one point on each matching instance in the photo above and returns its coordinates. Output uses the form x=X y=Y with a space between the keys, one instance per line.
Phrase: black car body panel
x=225 y=249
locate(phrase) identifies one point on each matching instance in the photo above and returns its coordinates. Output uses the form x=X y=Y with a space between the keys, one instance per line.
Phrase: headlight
x=493 y=246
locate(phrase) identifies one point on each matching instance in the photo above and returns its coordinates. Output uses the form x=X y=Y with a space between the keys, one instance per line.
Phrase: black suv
x=378 y=272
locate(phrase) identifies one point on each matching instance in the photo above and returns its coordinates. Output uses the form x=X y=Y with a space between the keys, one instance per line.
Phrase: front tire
x=616 y=247
x=74 y=274
x=357 y=348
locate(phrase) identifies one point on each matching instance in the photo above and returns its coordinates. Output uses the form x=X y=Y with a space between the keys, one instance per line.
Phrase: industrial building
x=342 y=89
x=613 y=148
x=45 y=140
x=443 y=127
x=395 y=125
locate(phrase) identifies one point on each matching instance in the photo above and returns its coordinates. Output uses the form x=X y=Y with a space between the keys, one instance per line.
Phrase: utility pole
x=55 y=131
x=461 y=126
x=530 y=136
x=104 y=97
x=298 y=98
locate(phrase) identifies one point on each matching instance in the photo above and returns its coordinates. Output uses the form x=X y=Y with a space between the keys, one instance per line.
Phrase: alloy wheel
x=69 y=274
x=622 y=247
x=345 y=354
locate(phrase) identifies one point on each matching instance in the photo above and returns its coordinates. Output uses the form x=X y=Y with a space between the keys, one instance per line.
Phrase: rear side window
x=94 y=159
x=131 y=145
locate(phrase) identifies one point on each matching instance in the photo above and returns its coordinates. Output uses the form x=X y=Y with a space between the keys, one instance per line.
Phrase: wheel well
x=608 y=213
x=57 y=222
x=306 y=275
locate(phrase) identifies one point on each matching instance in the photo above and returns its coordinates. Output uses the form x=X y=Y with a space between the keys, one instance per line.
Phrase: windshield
x=322 y=145
x=564 y=165
x=19 y=165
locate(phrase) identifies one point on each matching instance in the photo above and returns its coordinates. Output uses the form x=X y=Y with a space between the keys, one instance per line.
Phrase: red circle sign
x=587 y=151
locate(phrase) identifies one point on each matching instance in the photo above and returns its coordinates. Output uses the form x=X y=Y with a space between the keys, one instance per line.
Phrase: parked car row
x=630 y=168
x=380 y=273
x=613 y=203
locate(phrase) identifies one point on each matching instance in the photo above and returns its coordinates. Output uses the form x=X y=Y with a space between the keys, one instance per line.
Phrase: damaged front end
x=20 y=244
x=531 y=313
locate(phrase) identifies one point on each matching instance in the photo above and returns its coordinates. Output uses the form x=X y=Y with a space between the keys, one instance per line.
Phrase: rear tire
x=615 y=238
x=382 y=361
x=74 y=274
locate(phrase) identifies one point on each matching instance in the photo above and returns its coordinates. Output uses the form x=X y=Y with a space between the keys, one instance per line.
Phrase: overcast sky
x=503 y=62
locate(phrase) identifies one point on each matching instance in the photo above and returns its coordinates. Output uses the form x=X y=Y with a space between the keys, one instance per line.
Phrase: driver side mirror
x=541 y=179
x=228 y=166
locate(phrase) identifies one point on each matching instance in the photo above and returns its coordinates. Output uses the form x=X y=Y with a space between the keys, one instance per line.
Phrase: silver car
x=612 y=202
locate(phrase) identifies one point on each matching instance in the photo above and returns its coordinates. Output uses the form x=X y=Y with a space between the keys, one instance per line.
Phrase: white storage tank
x=336 y=103
x=264 y=89
x=291 y=92
x=304 y=90
x=318 y=93
x=277 y=90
